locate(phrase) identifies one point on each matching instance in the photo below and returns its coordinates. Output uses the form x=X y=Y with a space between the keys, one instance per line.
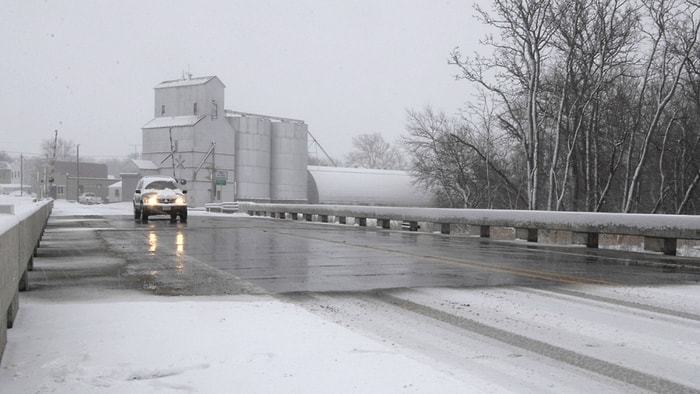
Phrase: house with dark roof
x=72 y=179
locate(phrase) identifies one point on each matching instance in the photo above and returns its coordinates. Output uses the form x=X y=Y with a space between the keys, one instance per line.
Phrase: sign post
x=221 y=177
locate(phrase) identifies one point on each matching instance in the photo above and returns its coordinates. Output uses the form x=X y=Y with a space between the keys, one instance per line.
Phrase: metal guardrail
x=225 y=207
x=660 y=232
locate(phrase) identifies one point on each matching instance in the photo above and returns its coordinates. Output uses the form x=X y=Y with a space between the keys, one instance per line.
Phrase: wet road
x=511 y=315
x=227 y=255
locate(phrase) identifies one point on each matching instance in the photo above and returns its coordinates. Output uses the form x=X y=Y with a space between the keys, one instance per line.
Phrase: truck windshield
x=161 y=185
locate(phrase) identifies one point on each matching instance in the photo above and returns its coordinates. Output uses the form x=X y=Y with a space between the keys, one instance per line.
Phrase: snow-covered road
x=570 y=339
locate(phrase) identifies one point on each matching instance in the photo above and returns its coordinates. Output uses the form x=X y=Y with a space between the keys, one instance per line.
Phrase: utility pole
x=213 y=171
x=52 y=164
x=21 y=174
x=77 y=187
x=136 y=152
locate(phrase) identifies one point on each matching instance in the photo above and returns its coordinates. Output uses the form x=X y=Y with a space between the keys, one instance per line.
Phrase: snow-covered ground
x=83 y=341
x=132 y=343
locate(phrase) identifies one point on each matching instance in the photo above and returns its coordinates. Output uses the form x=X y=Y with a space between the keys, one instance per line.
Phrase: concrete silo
x=288 y=164
x=252 y=157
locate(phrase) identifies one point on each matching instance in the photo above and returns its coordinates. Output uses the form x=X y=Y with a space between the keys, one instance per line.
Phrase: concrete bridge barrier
x=660 y=232
x=22 y=223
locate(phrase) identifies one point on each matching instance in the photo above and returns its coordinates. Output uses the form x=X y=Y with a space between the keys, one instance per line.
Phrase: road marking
x=523 y=272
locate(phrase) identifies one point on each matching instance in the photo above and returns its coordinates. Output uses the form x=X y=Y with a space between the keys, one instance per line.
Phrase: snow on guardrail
x=660 y=231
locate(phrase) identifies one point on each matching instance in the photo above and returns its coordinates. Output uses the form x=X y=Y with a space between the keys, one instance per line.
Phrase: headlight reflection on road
x=179 y=248
x=179 y=243
x=152 y=242
x=180 y=251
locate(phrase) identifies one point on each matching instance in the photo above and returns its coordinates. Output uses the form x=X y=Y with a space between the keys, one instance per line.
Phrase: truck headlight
x=151 y=200
x=180 y=201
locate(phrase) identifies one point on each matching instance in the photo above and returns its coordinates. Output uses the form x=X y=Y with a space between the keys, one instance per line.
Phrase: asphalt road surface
x=463 y=302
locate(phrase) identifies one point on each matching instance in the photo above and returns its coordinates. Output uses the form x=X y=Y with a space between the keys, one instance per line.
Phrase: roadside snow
x=136 y=343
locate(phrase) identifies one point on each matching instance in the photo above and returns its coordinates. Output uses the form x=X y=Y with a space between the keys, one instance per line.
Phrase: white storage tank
x=289 y=159
x=252 y=174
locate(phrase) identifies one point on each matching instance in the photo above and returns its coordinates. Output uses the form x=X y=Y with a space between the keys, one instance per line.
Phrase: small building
x=114 y=192
x=142 y=167
x=72 y=179
x=5 y=173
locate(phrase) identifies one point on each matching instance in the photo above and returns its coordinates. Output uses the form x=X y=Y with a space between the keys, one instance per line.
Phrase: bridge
x=480 y=310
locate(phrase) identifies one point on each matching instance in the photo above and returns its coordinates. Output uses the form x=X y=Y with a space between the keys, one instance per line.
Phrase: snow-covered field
x=426 y=340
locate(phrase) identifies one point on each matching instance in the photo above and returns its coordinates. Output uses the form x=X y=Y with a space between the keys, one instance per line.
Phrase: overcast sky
x=88 y=68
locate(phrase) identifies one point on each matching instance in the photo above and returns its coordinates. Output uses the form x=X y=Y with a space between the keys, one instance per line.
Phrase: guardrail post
x=324 y=218
x=384 y=223
x=485 y=231
x=308 y=217
x=342 y=220
x=532 y=235
x=24 y=281
x=295 y=216
x=445 y=228
x=410 y=225
x=665 y=245
x=670 y=246
x=362 y=222
x=592 y=240
x=12 y=313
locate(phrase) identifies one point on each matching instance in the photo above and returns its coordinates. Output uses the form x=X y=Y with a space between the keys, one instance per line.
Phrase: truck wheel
x=183 y=216
x=137 y=214
x=144 y=215
x=173 y=217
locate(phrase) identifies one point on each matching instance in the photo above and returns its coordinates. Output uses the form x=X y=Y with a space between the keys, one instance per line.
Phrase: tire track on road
x=601 y=367
x=564 y=293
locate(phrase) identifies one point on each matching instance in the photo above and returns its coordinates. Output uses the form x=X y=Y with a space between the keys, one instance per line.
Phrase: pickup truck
x=89 y=198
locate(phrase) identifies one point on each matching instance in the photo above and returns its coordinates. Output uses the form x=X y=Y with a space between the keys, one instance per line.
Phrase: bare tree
x=65 y=149
x=673 y=35
x=5 y=158
x=592 y=46
x=526 y=28
x=372 y=151
x=432 y=163
x=584 y=110
x=462 y=167
x=315 y=160
x=687 y=164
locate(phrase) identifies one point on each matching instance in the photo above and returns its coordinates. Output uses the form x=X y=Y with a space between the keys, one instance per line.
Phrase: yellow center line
x=523 y=272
